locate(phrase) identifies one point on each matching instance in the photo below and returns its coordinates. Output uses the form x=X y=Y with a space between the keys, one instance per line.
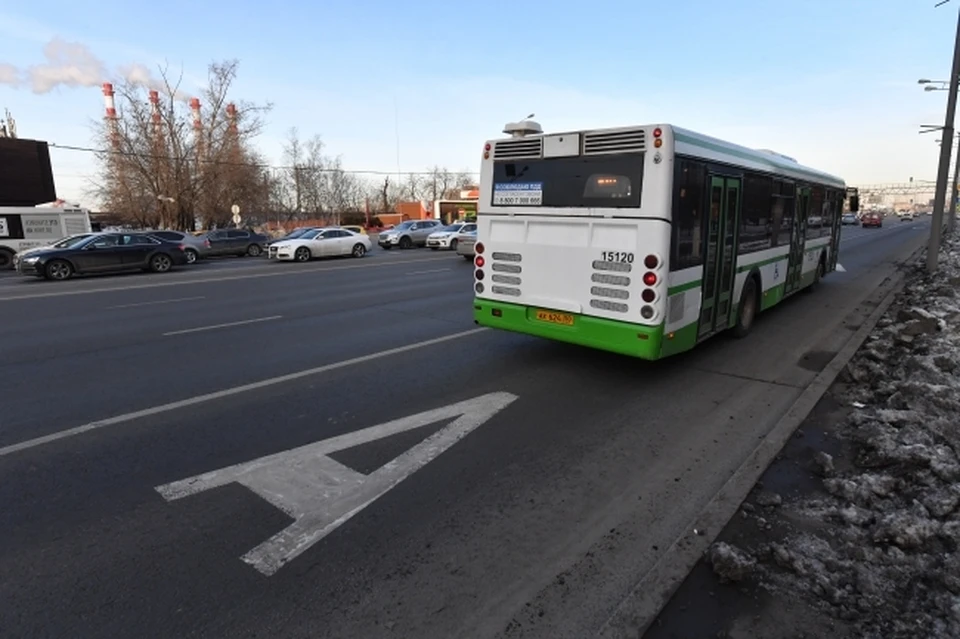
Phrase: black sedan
x=104 y=253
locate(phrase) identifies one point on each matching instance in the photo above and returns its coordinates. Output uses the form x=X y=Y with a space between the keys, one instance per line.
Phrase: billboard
x=26 y=174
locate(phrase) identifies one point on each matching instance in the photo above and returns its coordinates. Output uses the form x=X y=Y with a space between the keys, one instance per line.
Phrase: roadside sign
x=319 y=492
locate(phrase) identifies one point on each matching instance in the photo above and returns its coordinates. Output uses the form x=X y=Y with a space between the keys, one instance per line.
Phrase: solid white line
x=227 y=325
x=205 y=280
x=228 y=392
x=433 y=270
x=179 y=299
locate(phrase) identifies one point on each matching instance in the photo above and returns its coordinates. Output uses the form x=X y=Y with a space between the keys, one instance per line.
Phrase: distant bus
x=23 y=228
x=645 y=240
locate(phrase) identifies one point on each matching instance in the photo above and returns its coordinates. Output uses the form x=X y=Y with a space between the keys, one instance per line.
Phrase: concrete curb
x=640 y=607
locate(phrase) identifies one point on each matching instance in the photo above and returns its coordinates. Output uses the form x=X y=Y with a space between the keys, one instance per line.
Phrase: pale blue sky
x=830 y=82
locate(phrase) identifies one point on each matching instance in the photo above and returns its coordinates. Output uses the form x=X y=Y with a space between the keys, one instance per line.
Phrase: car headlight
x=31 y=259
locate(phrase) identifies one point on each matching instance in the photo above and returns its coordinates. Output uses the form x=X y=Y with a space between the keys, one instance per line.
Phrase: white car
x=324 y=242
x=447 y=237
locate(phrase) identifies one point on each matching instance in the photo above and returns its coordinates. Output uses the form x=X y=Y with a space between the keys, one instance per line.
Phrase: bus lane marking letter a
x=320 y=493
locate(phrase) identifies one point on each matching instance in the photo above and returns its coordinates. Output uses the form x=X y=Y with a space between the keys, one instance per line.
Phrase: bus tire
x=818 y=275
x=748 y=307
x=6 y=259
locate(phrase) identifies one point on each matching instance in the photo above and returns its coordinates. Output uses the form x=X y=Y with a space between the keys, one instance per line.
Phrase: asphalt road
x=529 y=508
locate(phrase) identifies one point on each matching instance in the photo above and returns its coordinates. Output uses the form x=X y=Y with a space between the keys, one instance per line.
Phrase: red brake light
x=657 y=132
x=480 y=261
x=648 y=295
x=486 y=147
x=649 y=279
x=651 y=261
x=478 y=247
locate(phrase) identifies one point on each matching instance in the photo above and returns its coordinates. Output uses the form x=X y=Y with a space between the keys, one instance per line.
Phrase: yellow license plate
x=555 y=318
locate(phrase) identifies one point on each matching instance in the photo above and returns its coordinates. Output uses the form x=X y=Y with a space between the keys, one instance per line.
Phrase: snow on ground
x=878 y=546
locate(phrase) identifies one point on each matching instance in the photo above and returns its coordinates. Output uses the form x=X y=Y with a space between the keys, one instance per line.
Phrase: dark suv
x=237 y=242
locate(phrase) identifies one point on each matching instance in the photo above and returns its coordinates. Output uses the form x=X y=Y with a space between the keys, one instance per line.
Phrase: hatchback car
x=849 y=218
x=871 y=219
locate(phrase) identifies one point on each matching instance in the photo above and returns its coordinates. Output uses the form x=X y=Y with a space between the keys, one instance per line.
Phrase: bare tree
x=158 y=170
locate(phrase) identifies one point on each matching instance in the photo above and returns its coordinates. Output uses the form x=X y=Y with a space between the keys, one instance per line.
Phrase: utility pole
x=943 y=174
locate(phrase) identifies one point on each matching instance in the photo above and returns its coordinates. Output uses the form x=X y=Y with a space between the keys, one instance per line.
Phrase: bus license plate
x=554 y=317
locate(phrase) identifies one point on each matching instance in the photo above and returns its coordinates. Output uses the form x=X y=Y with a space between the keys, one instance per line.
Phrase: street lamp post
x=943 y=173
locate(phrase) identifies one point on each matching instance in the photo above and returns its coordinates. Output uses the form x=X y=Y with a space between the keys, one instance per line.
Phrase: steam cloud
x=72 y=64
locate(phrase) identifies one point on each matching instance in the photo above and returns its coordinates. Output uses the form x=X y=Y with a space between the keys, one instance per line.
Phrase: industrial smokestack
x=232 y=117
x=197 y=129
x=155 y=107
x=111 y=114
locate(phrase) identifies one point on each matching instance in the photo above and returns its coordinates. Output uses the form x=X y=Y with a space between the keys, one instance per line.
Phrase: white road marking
x=321 y=493
x=226 y=325
x=840 y=268
x=179 y=299
x=433 y=270
x=205 y=280
x=227 y=392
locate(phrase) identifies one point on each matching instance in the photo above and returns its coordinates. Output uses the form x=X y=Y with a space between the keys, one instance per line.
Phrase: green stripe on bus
x=747 y=267
x=680 y=288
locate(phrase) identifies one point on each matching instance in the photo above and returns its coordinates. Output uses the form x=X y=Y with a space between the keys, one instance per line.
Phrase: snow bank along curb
x=878 y=546
x=639 y=609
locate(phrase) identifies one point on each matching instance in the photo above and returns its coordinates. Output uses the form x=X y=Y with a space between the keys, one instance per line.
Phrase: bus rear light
x=648 y=295
x=647 y=312
x=486 y=147
x=480 y=261
x=479 y=248
x=496 y=312
x=657 y=132
x=658 y=143
x=479 y=274
x=651 y=261
x=486 y=155
x=650 y=279
x=478 y=287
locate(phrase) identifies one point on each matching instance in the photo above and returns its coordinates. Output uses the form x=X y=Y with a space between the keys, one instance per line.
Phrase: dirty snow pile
x=879 y=548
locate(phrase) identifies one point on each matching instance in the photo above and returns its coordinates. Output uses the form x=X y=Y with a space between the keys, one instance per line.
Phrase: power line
x=271 y=167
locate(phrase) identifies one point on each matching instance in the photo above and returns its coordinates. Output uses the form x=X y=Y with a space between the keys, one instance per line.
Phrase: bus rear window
x=608 y=181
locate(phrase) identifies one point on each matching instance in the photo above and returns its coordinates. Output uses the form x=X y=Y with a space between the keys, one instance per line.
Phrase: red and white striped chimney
x=155 y=107
x=232 y=118
x=111 y=114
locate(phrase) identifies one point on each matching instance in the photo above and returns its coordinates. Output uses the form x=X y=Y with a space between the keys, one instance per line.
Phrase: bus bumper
x=635 y=340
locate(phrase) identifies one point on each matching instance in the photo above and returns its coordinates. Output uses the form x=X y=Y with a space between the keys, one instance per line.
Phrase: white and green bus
x=645 y=240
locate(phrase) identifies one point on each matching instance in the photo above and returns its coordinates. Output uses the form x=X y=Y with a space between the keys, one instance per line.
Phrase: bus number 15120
x=617 y=256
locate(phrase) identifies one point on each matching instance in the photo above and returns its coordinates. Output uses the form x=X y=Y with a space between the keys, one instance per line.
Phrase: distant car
x=849 y=218
x=448 y=237
x=237 y=242
x=408 y=234
x=325 y=242
x=465 y=243
x=196 y=247
x=871 y=219
x=907 y=216
x=104 y=253
x=292 y=235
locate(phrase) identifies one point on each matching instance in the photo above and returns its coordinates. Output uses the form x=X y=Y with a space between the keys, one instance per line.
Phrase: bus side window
x=689 y=204
x=756 y=228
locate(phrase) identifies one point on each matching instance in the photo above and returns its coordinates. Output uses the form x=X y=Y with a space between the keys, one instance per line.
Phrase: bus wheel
x=6 y=260
x=747 y=309
x=818 y=275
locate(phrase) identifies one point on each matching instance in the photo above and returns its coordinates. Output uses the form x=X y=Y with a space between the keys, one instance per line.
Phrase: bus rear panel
x=574 y=237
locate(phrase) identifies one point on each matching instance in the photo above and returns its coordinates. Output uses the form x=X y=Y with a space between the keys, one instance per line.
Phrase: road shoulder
x=853 y=529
